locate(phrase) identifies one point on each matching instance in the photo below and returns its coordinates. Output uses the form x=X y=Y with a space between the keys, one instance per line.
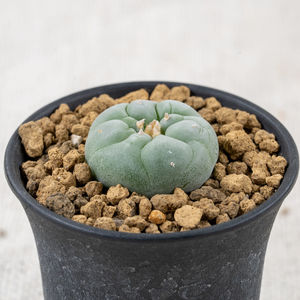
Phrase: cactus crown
x=152 y=147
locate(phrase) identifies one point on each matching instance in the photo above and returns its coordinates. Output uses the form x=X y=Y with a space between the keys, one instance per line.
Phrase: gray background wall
x=51 y=48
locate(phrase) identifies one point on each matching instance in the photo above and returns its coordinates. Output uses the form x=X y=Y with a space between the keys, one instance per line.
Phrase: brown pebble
x=169 y=226
x=252 y=122
x=266 y=191
x=210 y=211
x=90 y=222
x=203 y=224
x=152 y=228
x=237 y=183
x=101 y=198
x=73 y=192
x=69 y=120
x=109 y=211
x=247 y=205
x=93 y=209
x=82 y=173
x=117 y=193
x=80 y=219
x=259 y=172
x=79 y=202
x=32 y=138
x=126 y=228
x=105 y=223
x=81 y=149
x=225 y=115
x=262 y=135
x=145 y=207
x=55 y=159
x=136 y=221
x=237 y=167
x=32 y=187
x=235 y=197
x=224 y=129
x=35 y=172
x=157 y=217
x=179 y=93
x=61 y=133
x=169 y=202
x=126 y=208
x=66 y=147
x=222 y=218
x=61 y=204
x=89 y=118
x=188 y=216
x=219 y=171
x=57 y=115
x=159 y=92
x=242 y=117
x=48 y=139
x=238 y=142
x=207 y=114
x=195 y=102
x=255 y=188
x=277 y=165
x=274 y=180
x=269 y=146
x=223 y=159
x=216 y=127
x=46 y=125
x=212 y=183
x=93 y=188
x=140 y=94
x=258 y=198
x=136 y=197
x=231 y=209
x=208 y=192
x=64 y=177
x=212 y=103
x=47 y=187
x=96 y=105
x=80 y=130
x=182 y=229
x=71 y=158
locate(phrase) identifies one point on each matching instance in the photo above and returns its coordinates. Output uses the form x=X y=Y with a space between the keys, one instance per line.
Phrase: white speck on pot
x=172 y=164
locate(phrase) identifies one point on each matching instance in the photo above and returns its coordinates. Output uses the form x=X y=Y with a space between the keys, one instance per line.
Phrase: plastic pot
x=221 y=262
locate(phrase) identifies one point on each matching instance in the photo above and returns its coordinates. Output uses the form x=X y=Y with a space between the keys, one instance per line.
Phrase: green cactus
x=151 y=147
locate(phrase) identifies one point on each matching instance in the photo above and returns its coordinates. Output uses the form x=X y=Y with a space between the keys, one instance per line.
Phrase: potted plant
x=219 y=262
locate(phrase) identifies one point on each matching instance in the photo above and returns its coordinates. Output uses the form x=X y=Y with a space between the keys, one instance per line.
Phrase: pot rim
x=28 y=201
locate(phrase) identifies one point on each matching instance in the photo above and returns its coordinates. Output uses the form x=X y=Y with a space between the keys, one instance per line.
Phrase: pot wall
x=220 y=262
x=224 y=266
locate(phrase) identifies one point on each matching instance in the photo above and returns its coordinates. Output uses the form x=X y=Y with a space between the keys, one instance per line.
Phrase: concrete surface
x=49 y=49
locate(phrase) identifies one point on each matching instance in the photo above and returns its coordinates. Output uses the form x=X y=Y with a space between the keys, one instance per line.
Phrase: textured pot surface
x=220 y=262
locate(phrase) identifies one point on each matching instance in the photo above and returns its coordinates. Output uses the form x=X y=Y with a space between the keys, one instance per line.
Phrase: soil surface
x=247 y=173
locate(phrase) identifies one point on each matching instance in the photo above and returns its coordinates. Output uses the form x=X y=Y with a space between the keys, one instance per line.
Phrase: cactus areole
x=151 y=147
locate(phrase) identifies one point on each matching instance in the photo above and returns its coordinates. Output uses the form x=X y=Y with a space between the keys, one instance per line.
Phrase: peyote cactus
x=151 y=147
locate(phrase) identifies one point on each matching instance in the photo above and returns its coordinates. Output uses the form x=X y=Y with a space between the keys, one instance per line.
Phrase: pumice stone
x=152 y=147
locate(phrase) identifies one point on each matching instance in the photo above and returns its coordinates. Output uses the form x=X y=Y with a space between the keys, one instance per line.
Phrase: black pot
x=221 y=262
